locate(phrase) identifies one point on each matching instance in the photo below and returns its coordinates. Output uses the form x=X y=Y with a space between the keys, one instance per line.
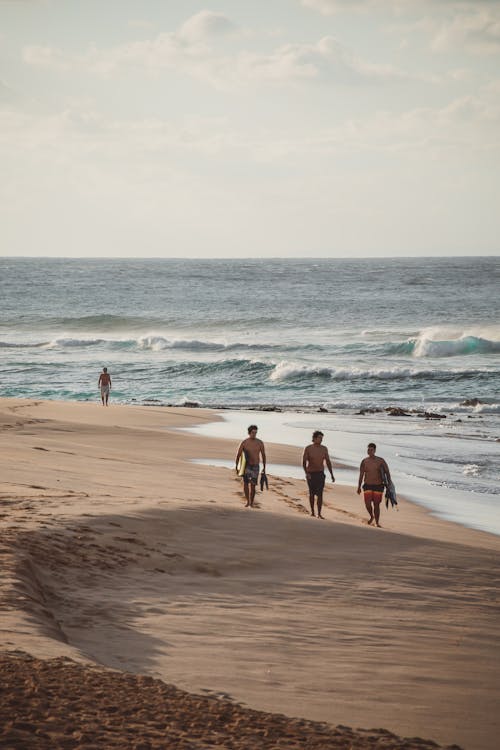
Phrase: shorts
x=316 y=482
x=373 y=492
x=251 y=474
x=104 y=390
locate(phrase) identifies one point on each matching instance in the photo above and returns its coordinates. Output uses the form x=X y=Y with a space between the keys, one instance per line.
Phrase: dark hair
x=252 y=427
x=317 y=433
x=372 y=445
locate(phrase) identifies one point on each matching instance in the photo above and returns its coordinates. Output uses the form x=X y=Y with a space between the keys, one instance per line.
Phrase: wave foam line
x=288 y=371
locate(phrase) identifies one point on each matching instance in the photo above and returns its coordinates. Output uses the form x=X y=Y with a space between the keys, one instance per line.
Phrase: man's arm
x=361 y=475
x=99 y=381
x=304 y=461
x=386 y=469
x=110 y=382
x=263 y=454
x=329 y=464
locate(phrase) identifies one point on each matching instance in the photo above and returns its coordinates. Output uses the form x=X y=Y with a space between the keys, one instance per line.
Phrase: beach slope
x=120 y=554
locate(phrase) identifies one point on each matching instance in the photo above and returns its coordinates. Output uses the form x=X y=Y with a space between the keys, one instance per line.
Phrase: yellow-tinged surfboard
x=242 y=464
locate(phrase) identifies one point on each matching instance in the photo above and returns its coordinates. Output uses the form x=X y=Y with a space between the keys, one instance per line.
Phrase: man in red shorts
x=372 y=471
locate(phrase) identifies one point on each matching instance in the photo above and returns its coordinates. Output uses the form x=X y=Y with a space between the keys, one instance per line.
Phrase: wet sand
x=118 y=553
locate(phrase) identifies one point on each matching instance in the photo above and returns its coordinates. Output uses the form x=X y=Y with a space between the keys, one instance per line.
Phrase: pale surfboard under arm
x=242 y=464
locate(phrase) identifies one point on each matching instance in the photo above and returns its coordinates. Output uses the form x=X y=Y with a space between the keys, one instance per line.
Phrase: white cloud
x=189 y=50
x=478 y=33
x=204 y=25
x=327 y=60
x=400 y=7
x=453 y=24
x=186 y=50
x=92 y=181
x=330 y=7
x=46 y=57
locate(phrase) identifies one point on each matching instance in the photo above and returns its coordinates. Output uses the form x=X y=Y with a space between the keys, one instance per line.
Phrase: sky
x=271 y=128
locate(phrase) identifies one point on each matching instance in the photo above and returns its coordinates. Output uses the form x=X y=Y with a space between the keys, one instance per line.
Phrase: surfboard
x=242 y=464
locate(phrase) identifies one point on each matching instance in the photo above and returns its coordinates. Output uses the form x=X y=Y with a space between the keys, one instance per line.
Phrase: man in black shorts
x=313 y=461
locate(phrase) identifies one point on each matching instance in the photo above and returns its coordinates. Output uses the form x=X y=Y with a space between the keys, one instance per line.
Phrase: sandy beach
x=143 y=606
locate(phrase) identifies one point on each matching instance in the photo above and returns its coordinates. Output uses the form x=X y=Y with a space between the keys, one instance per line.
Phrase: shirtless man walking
x=253 y=448
x=372 y=471
x=313 y=461
x=104 y=383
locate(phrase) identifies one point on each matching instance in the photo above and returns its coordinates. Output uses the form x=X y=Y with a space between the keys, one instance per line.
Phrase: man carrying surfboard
x=373 y=470
x=249 y=454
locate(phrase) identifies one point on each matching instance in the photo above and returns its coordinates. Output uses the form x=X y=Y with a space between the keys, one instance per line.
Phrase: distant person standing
x=313 y=461
x=253 y=449
x=104 y=383
x=371 y=475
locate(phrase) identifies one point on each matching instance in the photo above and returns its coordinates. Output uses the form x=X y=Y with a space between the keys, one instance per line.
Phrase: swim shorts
x=251 y=474
x=373 y=492
x=316 y=482
x=104 y=390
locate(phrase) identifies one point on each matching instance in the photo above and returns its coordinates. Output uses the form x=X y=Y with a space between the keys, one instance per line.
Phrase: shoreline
x=147 y=563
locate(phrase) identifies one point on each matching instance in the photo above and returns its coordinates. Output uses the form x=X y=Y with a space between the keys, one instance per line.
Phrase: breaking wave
x=286 y=371
x=429 y=343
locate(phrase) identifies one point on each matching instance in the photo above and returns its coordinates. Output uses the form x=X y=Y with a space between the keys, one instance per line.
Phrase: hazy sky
x=299 y=128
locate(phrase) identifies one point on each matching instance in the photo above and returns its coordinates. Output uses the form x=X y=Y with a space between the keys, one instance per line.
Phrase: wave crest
x=442 y=342
x=289 y=371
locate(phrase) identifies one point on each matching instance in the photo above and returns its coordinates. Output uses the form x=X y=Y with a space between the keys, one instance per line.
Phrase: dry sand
x=119 y=553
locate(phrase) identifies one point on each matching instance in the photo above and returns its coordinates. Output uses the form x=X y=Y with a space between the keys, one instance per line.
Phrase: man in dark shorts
x=372 y=470
x=253 y=448
x=313 y=461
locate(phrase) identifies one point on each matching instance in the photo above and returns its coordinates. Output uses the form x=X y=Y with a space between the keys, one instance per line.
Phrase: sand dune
x=118 y=552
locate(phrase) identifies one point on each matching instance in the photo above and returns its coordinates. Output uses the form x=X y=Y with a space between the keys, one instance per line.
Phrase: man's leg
x=311 y=501
x=252 y=493
x=320 y=503
x=368 y=495
x=246 y=488
x=377 y=497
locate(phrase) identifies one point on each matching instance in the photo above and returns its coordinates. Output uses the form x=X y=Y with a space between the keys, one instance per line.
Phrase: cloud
x=184 y=50
x=191 y=50
x=327 y=60
x=330 y=7
x=400 y=7
x=204 y=25
x=454 y=24
x=88 y=180
x=46 y=57
x=478 y=33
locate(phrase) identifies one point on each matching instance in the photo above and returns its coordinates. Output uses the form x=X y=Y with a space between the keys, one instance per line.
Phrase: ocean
x=344 y=336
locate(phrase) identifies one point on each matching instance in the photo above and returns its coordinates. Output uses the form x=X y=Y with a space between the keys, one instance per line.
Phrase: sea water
x=299 y=335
